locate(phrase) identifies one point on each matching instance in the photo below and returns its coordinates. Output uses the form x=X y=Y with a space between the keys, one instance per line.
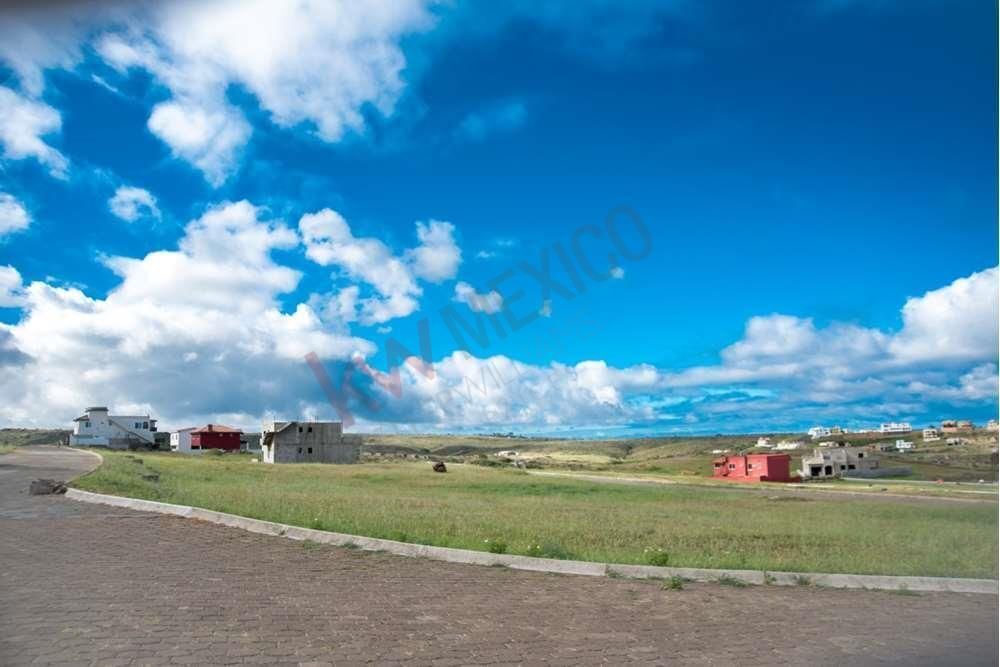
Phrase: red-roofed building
x=754 y=468
x=216 y=436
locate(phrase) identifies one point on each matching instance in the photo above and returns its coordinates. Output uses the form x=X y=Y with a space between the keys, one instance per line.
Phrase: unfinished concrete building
x=837 y=461
x=308 y=442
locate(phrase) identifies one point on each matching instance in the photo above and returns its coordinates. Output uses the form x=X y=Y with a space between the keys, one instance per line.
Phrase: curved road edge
x=831 y=580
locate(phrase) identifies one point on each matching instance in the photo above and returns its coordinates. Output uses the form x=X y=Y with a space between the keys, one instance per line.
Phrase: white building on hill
x=786 y=445
x=895 y=427
x=97 y=428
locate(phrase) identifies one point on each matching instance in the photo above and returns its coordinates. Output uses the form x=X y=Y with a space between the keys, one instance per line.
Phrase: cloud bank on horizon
x=214 y=322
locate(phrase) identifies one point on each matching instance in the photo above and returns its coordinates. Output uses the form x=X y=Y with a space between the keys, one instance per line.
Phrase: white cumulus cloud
x=24 y=124
x=14 y=216
x=437 y=257
x=394 y=279
x=490 y=302
x=323 y=63
x=131 y=203
x=214 y=299
x=11 y=289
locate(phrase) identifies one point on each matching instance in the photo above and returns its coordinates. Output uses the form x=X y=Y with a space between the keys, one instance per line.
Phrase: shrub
x=656 y=556
x=674 y=583
x=495 y=546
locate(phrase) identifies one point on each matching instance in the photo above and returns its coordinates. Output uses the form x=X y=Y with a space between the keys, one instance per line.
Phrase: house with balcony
x=96 y=427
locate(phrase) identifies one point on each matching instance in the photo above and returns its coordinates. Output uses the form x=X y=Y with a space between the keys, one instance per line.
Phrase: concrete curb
x=863 y=581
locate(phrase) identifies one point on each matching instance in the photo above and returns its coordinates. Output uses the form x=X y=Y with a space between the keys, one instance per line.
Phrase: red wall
x=754 y=468
x=215 y=440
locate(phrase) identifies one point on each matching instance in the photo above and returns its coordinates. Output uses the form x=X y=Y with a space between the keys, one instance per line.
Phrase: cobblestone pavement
x=85 y=584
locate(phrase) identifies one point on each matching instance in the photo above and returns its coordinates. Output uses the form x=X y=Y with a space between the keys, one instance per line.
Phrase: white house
x=903 y=445
x=895 y=427
x=180 y=441
x=930 y=434
x=817 y=432
x=786 y=445
x=97 y=428
x=764 y=443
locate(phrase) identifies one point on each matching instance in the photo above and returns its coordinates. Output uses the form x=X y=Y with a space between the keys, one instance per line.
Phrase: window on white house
x=310 y=450
x=86 y=424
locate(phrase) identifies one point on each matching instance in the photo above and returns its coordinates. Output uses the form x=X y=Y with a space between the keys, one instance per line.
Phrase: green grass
x=473 y=507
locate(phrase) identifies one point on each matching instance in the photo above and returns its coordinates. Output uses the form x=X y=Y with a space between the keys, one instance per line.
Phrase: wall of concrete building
x=838 y=462
x=314 y=442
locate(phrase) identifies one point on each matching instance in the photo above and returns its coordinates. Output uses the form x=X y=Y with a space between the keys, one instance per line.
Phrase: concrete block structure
x=753 y=468
x=308 y=442
x=833 y=462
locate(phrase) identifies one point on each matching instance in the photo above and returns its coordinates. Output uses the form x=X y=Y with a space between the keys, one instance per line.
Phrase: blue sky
x=804 y=170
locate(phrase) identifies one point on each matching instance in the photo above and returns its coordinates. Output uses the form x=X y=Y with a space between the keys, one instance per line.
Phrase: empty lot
x=472 y=507
x=84 y=584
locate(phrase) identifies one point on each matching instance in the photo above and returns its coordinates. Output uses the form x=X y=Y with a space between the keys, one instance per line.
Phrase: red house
x=754 y=468
x=215 y=436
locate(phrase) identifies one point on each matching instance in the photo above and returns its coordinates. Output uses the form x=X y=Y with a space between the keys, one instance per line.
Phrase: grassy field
x=507 y=510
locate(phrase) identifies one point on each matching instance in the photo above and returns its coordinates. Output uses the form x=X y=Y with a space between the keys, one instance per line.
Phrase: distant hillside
x=19 y=437
x=971 y=460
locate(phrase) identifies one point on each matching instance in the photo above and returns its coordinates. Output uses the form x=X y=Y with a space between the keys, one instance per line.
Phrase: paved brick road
x=82 y=584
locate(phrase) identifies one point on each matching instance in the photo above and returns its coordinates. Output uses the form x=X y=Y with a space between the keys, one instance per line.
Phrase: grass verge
x=479 y=508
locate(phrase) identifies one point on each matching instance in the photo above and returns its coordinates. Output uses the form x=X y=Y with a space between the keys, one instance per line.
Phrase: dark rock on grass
x=440 y=467
x=44 y=487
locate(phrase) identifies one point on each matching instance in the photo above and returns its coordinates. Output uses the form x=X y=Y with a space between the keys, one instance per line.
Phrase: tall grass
x=472 y=507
